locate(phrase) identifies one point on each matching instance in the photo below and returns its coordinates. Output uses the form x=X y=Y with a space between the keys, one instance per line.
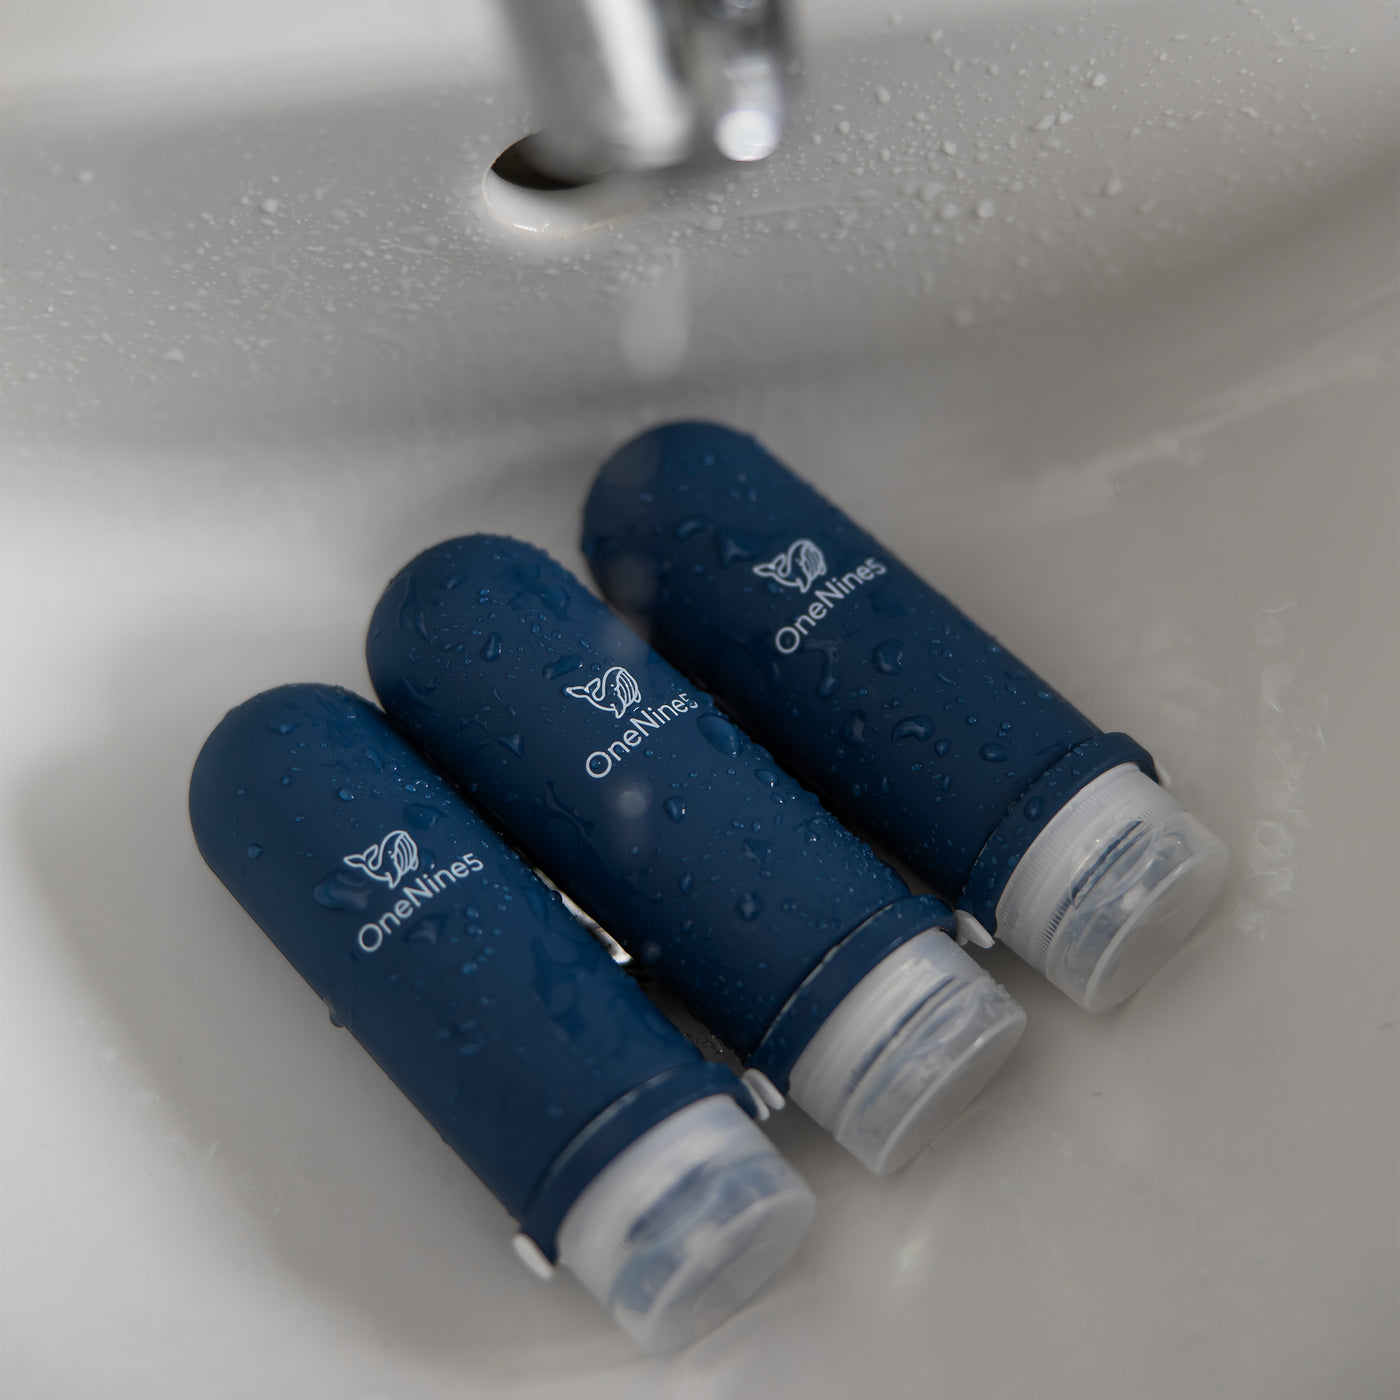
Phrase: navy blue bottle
x=541 y=1064
x=779 y=929
x=908 y=718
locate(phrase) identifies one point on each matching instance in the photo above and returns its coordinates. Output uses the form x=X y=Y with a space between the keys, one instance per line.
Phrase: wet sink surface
x=1088 y=311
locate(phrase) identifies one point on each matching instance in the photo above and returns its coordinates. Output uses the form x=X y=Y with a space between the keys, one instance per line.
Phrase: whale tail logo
x=614 y=691
x=387 y=861
x=799 y=566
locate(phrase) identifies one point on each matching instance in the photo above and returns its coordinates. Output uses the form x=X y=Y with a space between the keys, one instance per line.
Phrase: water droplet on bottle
x=830 y=678
x=993 y=753
x=555 y=599
x=749 y=905
x=561 y=667
x=854 y=730
x=732 y=548
x=686 y=882
x=918 y=727
x=766 y=776
x=346 y=795
x=254 y=852
x=283 y=726
x=420 y=816
x=719 y=734
x=492 y=650
x=1034 y=808
x=426 y=930
x=888 y=657
x=675 y=808
x=514 y=743
x=420 y=688
x=942 y=746
x=692 y=526
x=467 y=968
x=343 y=891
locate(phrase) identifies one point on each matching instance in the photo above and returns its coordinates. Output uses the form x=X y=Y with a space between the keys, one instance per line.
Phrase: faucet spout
x=641 y=85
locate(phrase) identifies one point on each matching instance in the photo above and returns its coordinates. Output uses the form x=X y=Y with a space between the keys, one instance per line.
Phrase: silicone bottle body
x=644 y=803
x=536 y=1058
x=909 y=719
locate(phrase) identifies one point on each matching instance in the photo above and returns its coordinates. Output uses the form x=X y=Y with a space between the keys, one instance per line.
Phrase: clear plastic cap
x=908 y=1048
x=1114 y=885
x=686 y=1225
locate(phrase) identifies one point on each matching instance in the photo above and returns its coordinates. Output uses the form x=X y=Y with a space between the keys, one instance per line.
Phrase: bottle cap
x=686 y=1225
x=1114 y=885
x=908 y=1048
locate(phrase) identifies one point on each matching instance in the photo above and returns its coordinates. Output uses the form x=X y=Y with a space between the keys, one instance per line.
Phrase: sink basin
x=1087 y=310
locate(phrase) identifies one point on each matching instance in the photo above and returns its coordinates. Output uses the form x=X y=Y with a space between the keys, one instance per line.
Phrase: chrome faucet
x=638 y=85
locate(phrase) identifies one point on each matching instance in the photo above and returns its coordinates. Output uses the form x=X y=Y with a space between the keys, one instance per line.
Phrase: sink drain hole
x=518 y=165
x=523 y=194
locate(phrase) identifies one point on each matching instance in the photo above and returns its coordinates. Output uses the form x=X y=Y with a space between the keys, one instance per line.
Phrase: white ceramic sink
x=1087 y=309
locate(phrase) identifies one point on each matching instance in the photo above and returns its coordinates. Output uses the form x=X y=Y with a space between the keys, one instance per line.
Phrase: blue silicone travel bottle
x=780 y=930
x=908 y=718
x=620 y=1151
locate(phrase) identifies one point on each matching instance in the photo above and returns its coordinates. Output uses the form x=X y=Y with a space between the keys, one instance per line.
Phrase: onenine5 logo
x=616 y=692
x=799 y=566
x=388 y=861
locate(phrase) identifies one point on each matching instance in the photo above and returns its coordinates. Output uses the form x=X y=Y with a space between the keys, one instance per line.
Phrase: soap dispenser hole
x=522 y=195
